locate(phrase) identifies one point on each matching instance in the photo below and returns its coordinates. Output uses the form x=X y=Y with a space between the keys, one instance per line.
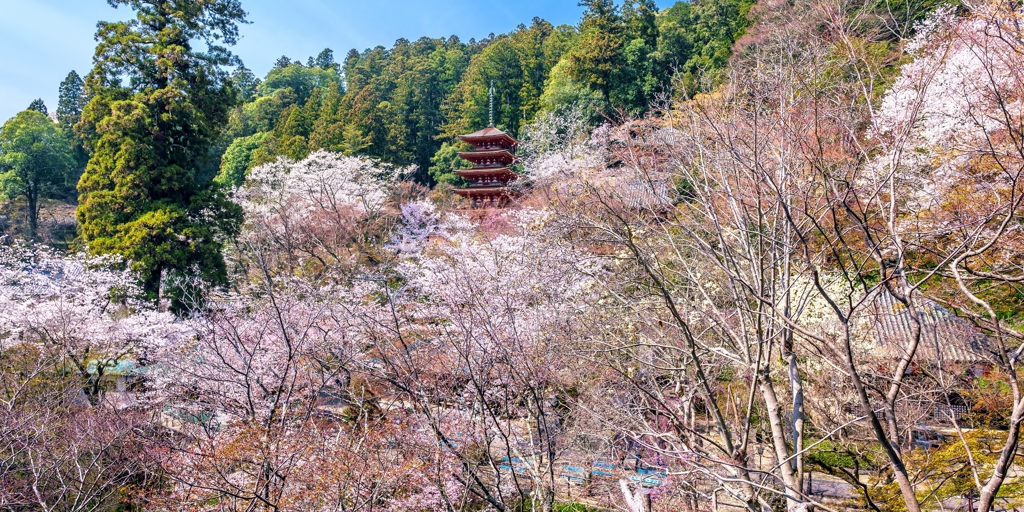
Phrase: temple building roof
x=490 y=131
x=943 y=335
x=485 y=153
x=479 y=177
x=490 y=176
x=490 y=137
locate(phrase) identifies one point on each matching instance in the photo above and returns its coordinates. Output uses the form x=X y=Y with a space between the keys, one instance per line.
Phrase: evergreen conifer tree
x=69 y=111
x=70 y=101
x=38 y=106
x=246 y=82
x=597 y=57
x=157 y=107
x=325 y=60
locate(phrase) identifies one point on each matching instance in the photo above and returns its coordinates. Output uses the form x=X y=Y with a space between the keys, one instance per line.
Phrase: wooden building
x=490 y=176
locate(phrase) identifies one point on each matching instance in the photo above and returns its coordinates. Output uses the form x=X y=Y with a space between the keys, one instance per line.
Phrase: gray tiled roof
x=944 y=336
x=646 y=194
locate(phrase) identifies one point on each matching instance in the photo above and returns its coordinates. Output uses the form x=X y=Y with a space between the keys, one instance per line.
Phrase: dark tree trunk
x=33 y=212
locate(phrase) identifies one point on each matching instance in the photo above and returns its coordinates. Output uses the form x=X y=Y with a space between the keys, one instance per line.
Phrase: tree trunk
x=895 y=460
x=33 y=212
x=1006 y=458
x=639 y=501
x=797 y=389
x=777 y=426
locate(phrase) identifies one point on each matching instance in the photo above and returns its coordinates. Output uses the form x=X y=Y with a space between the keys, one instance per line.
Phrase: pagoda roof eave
x=485 y=171
x=510 y=142
x=470 y=191
x=485 y=153
x=472 y=173
x=489 y=134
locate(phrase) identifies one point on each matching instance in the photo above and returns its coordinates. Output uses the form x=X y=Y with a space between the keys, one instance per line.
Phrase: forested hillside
x=762 y=257
x=405 y=103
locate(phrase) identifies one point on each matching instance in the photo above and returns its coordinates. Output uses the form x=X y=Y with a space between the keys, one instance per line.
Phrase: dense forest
x=404 y=105
x=757 y=256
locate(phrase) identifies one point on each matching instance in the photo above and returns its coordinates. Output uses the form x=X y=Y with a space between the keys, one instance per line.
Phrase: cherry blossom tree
x=759 y=220
x=69 y=434
x=739 y=245
x=77 y=308
x=695 y=295
x=951 y=130
x=265 y=409
x=322 y=215
x=475 y=344
x=272 y=401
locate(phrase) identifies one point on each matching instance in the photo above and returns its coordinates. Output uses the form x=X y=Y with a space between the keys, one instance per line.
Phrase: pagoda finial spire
x=490 y=116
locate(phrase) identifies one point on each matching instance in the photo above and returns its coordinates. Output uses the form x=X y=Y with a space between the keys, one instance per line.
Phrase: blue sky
x=42 y=40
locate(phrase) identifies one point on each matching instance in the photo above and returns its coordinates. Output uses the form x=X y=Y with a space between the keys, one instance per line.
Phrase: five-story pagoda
x=490 y=175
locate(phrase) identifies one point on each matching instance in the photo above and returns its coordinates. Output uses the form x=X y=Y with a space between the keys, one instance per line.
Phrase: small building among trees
x=490 y=175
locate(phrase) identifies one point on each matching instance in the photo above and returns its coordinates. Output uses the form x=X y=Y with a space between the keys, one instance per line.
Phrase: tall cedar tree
x=598 y=55
x=70 y=103
x=246 y=82
x=38 y=106
x=157 y=107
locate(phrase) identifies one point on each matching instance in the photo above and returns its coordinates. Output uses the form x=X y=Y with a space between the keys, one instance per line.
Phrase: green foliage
x=597 y=55
x=260 y=115
x=158 y=106
x=991 y=401
x=831 y=456
x=237 y=159
x=948 y=474
x=301 y=80
x=630 y=55
x=71 y=100
x=445 y=162
x=38 y=106
x=325 y=60
x=402 y=104
x=529 y=506
x=695 y=39
x=518 y=64
x=637 y=80
x=395 y=97
x=563 y=92
x=282 y=62
x=573 y=507
x=35 y=161
x=353 y=140
x=246 y=83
